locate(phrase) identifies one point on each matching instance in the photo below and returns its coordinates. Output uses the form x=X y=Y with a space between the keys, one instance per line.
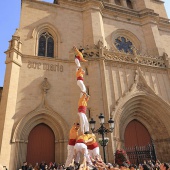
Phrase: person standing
x=93 y=146
x=25 y=166
x=36 y=167
x=81 y=148
x=79 y=56
x=80 y=80
x=82 y=107
x=164 y=166
x=72 y=140
x=42 y=165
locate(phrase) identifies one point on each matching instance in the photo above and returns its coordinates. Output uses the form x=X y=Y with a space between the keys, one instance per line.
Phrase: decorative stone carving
x=45 y=86
x=93 y=51
x=99 y=50
x=140 y=83
x=135 y=58
x=167 y=60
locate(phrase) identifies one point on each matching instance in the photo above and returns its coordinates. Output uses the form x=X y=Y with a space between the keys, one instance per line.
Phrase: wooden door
x=41 y=145
x=138 y=143
x=136 y=134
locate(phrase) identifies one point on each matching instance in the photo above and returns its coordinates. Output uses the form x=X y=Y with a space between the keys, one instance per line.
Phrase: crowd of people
x=98 y=164
x=42 y=166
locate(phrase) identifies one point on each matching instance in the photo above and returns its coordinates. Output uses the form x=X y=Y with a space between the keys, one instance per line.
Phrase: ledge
x=159 y=1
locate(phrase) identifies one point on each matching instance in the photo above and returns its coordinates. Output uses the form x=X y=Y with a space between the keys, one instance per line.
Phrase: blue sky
x=9 y=19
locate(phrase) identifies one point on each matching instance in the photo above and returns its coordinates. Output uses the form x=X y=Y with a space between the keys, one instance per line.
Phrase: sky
x=9 y=19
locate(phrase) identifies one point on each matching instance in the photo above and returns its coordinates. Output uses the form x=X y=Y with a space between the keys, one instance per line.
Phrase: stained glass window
x=46 y=45
x=50 y=47
x=42 y=44
x=123 y=44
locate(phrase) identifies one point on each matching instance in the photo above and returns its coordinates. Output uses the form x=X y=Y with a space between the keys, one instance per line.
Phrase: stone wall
x=122 y=86
x=1 y=89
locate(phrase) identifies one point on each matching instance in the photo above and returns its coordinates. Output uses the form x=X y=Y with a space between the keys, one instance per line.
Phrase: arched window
x=123 y=44
x=129 y=4
x=46 y=45
x=117 y=2
x=125 y=40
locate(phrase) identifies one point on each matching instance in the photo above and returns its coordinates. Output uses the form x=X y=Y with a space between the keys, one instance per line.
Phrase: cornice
x=40 y=2
x=119 y=13
x=115 y=12
x=47 y=59
x=13 y=50
x=164 y=24
x=32 y=57
x=13 y=58
x=158 y=1
x=120 y=10
x=81 y=5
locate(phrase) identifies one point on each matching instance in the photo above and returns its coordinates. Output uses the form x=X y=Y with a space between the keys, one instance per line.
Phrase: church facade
x=127 y=77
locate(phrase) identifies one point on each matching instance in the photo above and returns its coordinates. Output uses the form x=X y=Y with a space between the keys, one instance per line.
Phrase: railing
x=139 y=154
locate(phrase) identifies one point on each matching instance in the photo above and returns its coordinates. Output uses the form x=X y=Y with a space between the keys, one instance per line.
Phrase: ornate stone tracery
x=99 y=51
x=123 y=44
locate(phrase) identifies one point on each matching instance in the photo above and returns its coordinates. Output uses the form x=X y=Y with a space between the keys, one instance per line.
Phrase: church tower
x=126 y=43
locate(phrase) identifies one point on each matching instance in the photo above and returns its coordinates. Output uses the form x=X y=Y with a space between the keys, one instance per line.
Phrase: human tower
x=83 y=143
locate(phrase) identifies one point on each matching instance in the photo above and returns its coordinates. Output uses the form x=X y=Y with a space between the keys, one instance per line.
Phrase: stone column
x=134 y=4
x=124 y=3
x=57 y=151
x=93 y=24
x=9 y=98
x=153 y=39
x=140 y=5
x=112 y=2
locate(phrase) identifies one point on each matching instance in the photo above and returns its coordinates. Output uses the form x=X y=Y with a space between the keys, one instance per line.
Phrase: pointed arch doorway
x=41 y=145
x=138 y=142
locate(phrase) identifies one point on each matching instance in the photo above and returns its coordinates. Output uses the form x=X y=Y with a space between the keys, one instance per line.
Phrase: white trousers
x=70 y=155
x=94 y=153
x=81 y=148
x=84 y=124
x=80 y=83
x=77 y=62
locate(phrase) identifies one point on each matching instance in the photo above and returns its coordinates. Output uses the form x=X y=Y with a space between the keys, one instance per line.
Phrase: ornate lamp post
x=102 y=130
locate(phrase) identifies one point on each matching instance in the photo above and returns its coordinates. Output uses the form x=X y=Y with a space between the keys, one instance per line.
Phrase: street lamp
x=102 y=130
